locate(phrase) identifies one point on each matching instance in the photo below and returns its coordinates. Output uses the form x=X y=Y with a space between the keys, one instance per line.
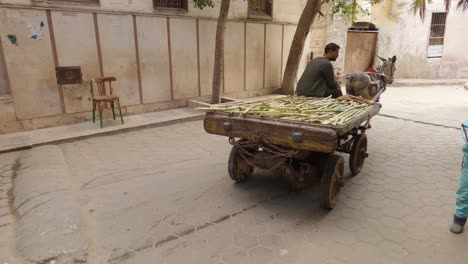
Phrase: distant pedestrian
x=461 y=207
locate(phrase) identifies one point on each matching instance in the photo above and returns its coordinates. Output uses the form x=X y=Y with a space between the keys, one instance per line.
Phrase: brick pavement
x=163 y=196
x=443 y=105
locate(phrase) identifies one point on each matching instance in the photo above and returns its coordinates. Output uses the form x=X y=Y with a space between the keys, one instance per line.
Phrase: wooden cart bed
x=289 y=133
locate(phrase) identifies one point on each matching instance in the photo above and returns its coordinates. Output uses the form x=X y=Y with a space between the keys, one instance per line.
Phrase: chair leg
x=100 y=108
x=100 y=117
x=120 y=111
x=113 y=112
x=94 y=112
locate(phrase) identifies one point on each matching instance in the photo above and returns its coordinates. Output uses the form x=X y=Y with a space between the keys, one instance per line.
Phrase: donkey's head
x=388 y=68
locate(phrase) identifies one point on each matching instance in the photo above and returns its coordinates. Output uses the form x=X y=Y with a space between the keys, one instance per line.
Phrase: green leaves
x=420 y=6
x=201 y=4
x=349 y=10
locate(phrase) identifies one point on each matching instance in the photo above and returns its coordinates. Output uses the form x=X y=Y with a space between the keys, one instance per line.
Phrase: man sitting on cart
x=318 y=79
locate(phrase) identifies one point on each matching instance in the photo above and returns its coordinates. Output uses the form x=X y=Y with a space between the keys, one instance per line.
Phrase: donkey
x=371 y=83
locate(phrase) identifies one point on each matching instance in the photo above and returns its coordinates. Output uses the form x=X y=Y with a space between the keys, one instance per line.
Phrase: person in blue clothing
x=461 y=208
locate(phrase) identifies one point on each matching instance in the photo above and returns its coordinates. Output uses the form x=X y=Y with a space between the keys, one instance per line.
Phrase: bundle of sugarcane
x=307 y=109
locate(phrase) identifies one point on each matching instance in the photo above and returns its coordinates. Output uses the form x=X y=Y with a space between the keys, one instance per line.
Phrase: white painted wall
x=30 y=63
x=16 y=2
x=207 y=36
x=273 y=56
x=4 y=83
x=174 y=65
x=184 y=58
x=288 y=10
x=455 y=55
x=255 y=56
x=407 y=36
x=283 y=10
x=154 y=59
x=76 y=47
x=234 y=53
x=119 y=55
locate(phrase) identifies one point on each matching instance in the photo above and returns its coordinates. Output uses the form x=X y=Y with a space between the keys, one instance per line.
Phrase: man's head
x=331 y=51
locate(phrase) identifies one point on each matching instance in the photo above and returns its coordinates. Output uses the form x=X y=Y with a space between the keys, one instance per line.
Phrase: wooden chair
x=102 y=99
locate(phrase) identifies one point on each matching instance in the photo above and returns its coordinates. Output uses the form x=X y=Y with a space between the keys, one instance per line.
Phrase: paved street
x=163 y=195
x=442 y=105
x=7 y=237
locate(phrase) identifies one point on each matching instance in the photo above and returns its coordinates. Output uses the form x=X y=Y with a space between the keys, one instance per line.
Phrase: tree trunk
x=305 y=23
x=219 y=52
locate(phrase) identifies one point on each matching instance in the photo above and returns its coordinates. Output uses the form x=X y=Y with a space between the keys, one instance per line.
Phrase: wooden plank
x=360 y=51
x=280 y=133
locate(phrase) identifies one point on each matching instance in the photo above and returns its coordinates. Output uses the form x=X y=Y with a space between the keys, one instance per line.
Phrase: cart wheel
x=358 y=154
x=238 y=168
x=332 y=181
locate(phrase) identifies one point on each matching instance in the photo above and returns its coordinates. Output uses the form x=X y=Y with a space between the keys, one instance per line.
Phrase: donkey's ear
x=381 y=58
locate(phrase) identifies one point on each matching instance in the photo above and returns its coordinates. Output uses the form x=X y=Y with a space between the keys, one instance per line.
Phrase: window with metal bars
x=96 y=2
x=172 y=4
x=436 y=36
x=261 y=8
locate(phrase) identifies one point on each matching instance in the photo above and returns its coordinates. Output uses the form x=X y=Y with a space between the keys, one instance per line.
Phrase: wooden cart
x=301 y=150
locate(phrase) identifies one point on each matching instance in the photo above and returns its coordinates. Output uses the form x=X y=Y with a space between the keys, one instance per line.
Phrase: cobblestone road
x=164 y=196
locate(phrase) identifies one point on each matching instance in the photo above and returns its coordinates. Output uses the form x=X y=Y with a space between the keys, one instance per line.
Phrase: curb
x=121 y=130
x=48 y=221
x=103 y=133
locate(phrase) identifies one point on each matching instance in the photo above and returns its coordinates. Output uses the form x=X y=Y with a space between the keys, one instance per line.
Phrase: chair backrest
x=101 y=85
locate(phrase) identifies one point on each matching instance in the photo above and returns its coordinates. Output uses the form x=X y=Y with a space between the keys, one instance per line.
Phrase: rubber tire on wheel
x=238 y=168
x=332 y=180
x=358 y=154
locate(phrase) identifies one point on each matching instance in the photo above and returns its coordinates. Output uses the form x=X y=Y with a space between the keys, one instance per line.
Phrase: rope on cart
x=247 y=149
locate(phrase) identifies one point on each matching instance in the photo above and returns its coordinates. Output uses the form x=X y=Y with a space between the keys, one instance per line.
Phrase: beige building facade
x=429 y=48
x=161 y=55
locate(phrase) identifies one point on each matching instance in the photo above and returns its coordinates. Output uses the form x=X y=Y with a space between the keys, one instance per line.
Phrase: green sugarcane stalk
x=322 y=110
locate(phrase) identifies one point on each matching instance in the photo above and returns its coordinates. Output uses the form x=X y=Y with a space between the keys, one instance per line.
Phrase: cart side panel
x=279 y=133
